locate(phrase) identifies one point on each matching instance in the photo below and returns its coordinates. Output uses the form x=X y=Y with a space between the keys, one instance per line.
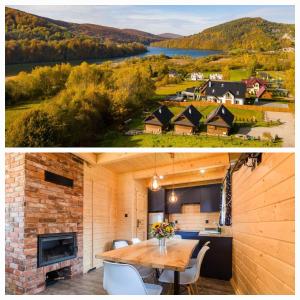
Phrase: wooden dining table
x=175 y=256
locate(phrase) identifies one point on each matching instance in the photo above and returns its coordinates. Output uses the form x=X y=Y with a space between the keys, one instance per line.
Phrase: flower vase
x=162 y=243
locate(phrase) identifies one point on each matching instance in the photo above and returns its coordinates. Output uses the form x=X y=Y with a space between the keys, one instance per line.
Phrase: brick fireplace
x=44 y=196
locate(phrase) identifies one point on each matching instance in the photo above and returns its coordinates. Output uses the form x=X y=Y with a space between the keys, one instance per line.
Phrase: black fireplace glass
x=53 y=248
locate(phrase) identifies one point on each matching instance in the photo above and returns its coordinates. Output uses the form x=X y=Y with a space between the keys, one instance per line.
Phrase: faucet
x=218 y=226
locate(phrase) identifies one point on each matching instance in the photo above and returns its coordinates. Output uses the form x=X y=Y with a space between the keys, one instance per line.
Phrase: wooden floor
x=91 y=284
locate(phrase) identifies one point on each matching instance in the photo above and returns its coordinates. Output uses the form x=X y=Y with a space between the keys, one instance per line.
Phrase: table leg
x=176 y=282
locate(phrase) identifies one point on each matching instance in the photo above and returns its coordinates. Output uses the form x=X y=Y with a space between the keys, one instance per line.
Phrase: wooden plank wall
x=99 y=213
x=263 y=216
x=127 y=191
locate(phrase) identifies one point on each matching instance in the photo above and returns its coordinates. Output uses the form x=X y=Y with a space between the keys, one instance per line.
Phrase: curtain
x=223 y=207
x=228 y=199
x=225 y=215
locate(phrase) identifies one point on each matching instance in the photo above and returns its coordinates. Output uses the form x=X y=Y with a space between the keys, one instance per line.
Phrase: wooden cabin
x=158 y=121
x=187 y=122
x=69 y=215
x=220 y=121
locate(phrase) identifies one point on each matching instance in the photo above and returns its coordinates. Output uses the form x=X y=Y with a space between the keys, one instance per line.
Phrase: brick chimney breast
x=34 y=206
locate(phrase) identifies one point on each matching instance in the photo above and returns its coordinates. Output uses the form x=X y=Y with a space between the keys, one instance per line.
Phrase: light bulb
x=202 y=171
x=173 y=197
x=155 y=186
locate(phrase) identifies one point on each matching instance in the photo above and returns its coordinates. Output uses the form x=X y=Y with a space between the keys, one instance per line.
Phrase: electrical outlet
x=206 y=221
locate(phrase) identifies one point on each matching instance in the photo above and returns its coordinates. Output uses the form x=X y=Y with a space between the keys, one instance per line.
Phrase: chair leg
x=192 y=289
x=196 y=288
x=189 y=289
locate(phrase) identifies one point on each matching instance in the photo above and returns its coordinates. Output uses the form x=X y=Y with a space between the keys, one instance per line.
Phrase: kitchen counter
x=204 y=234
x=217 y=263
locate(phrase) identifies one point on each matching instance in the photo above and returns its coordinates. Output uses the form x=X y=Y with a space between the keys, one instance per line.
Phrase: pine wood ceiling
x=133 y=162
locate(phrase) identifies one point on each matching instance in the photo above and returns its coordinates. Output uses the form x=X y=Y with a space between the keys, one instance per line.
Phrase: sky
x=183 y=19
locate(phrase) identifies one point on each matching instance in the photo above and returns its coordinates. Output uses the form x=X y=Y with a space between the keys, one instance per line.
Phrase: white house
x=197 y=76
x=226 y=92
x=173 y=74
x=216 y=76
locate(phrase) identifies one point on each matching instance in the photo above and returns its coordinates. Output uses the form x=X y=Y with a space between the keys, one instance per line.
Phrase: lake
x=11 y=70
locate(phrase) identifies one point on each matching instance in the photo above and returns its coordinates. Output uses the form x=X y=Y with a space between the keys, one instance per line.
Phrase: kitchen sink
x=211 y=231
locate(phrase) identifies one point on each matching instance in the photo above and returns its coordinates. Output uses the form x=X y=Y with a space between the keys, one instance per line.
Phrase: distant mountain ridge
x=244 y=33
x=170 y=35
x=22 y=25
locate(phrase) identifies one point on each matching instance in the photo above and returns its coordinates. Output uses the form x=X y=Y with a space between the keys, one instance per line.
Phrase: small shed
x=159 y=120
x=219 y=121
x=187 y=122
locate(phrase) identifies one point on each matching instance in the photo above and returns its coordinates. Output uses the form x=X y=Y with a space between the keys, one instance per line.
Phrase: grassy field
x=171 y=89
x=238 y=75
x=114 y=139
x=11 y=113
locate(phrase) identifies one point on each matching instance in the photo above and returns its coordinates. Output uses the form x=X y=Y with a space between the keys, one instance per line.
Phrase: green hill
x=245 y=33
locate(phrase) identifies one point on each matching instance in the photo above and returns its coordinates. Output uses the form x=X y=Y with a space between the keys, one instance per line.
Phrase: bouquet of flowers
x=161 y=230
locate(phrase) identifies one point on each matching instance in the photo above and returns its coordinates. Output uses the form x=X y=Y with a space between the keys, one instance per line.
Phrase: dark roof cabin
x=158 y=120
x=187 y=121
x=219 y=121
x=219 y=88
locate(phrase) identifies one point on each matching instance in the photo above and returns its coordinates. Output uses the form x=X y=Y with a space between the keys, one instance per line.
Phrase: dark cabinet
x=208 y=196
x=217 y=262
x=156 y=200
x=211 y=196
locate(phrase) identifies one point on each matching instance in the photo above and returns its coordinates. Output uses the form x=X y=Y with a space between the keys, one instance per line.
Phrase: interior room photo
x=150 y=223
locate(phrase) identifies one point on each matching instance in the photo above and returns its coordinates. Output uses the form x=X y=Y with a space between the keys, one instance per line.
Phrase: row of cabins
x=229 y=92
x=219 y=122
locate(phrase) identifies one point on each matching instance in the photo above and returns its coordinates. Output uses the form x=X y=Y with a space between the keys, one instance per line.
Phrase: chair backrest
x=200 y=257
x=135 y=240
x=122 y=279
x=119 y=244
x=177 y=237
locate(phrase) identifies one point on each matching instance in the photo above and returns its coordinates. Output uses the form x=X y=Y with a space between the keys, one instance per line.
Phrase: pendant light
x=155 y=185
x=173 y=197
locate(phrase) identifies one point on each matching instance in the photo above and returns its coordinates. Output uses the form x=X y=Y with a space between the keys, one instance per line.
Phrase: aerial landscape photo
x=150 y=76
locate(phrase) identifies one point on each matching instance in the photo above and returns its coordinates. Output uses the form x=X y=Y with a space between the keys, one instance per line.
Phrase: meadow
x=114 y=139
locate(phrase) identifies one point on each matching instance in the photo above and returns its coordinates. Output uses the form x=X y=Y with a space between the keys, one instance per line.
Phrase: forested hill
x=30 y=38
x=245 y=33
x=22 y=25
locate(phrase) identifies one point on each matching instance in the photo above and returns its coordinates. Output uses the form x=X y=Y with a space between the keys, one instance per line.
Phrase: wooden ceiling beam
x=109 y=158
x=219 y=160
x=194 y=178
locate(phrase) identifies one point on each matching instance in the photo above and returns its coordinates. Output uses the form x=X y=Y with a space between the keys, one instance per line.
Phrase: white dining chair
x=135 y=240
x=190 y=276
x=123 y=279
x=145 y=272
x=194 y=260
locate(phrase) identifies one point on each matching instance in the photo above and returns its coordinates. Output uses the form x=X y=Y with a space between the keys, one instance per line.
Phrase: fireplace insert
x=54 y=248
